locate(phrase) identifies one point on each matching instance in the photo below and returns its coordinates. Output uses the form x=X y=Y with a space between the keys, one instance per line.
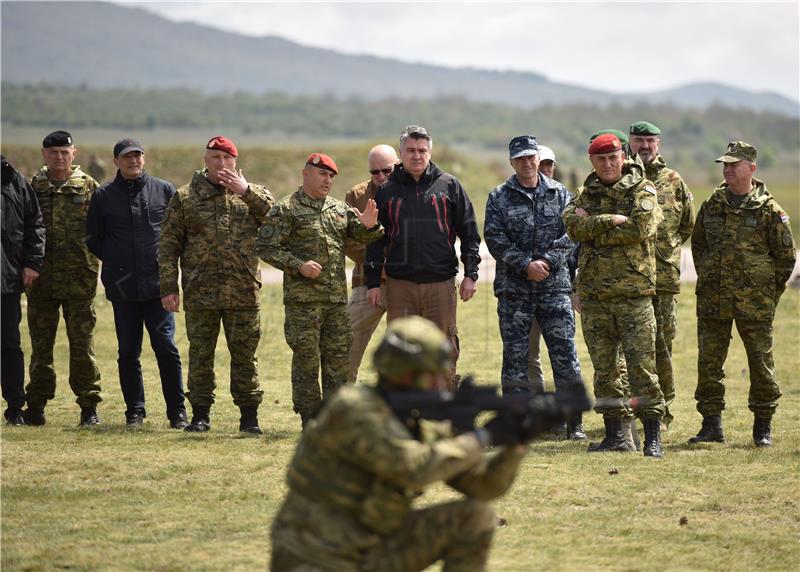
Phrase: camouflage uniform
x=743 y=255
x=677 y=207
x=213 y=233
x=523 y=225
x=68 y=281
x=616 y=281
x=317 y=327
x=352 y=482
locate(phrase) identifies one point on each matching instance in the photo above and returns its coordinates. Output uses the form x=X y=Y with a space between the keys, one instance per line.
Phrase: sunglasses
x=387 y=171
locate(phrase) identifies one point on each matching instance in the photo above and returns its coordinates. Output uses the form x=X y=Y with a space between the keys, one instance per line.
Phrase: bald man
x=364 y=317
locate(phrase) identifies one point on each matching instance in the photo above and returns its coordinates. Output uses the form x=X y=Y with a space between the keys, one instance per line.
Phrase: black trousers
x=13 y=364
x=129 y=319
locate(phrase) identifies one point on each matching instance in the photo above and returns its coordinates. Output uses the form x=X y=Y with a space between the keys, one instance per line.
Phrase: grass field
x=158 y=500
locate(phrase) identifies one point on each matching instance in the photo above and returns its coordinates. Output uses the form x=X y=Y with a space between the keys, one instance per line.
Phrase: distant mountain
x=107 y=45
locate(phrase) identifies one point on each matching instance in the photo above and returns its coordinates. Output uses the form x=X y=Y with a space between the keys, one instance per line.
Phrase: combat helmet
x=412 y=345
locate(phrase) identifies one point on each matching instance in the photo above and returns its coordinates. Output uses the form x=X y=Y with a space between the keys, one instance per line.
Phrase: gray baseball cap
x=523 y=146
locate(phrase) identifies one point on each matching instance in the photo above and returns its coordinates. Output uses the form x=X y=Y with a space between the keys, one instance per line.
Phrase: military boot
x=248 y=423
x=575 y=429
x=14 y=417
x=614 y=439
x=89 y=417
x=652 y=437
x=34 y=416
x=631 y=434
x=710 y=431
x=762 y=428
x=200 y=420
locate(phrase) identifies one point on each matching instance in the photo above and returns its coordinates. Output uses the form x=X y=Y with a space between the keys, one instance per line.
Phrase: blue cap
x=523 y=146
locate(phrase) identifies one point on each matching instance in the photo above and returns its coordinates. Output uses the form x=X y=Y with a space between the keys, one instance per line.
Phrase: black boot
x=575 y=429
x=177 y=420
x=762 y=427
x=89 y=417
x=614 y=439
x=200 y=421
x=652 y=437
x=34 y=416
x=248 y=423
x=710 y=431
x=14 y=417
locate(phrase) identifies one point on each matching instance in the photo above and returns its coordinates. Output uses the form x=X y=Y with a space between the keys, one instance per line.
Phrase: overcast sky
x=641 y=46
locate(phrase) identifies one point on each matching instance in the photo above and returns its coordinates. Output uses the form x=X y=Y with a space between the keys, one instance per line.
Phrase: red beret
x=607 y=143
x=323 y=162
x=220 y=143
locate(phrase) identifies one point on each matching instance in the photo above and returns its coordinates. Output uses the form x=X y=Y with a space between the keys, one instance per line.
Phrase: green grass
x=108 y=499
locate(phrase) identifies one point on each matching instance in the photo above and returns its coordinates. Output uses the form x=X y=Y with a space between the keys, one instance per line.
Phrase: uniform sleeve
x=467 y=230
x=354 y=250
x=94 y=226
x=381 y=444
x=273 y=239
x=500 y=245
x=687 y=219
x=259 y=201
x=170 y=246
x=492 y=477
x=641 y=224
x=559 y=251
x=699 y=244
x=357 y=231
x=584 y=228
x=373 y=264
x=781 y=249
x=34 y=235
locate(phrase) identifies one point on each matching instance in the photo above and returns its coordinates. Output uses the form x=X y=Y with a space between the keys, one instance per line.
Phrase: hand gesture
x=538 y=270
x=467 y=289
x=28 y=276
x=171 y=302
x=374 y=297
x=369 y=217
x=233 y=181
x=310 y=269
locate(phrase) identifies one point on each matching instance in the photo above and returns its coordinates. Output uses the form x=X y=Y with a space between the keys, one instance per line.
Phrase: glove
x=504 y=429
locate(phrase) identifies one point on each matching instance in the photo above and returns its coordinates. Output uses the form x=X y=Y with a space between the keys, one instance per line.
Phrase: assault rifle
x=534 y=414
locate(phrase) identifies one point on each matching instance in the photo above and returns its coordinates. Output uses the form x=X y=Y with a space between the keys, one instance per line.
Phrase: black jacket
x=422 y=220
x=23 y=230
x=122 y=229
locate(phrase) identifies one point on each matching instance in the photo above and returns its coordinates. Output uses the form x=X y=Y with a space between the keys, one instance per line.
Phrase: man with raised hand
x=210 y=228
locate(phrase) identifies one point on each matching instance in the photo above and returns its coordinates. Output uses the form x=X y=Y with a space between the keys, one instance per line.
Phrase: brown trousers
x=435 y=301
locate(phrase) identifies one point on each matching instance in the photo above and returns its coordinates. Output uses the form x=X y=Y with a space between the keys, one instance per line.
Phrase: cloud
x=621 y=47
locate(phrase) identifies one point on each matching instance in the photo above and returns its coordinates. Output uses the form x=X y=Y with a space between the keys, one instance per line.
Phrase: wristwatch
x=474 y=276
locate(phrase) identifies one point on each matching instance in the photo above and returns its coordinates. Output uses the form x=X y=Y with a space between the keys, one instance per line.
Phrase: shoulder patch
x=787 y=239
x=784 y=217
x=274 y=211
x=647 y=205
x=649 y=189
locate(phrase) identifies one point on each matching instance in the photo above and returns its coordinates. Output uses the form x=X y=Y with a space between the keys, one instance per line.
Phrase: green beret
x=620 y=135
x=644 y=128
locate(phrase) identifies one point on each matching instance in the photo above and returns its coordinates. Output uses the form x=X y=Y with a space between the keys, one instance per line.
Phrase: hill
x=120 y=46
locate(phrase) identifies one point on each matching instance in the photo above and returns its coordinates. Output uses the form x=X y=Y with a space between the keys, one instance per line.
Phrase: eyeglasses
x=387 y=171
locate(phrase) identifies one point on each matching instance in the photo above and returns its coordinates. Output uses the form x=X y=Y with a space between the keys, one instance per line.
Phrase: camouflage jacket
x=70 y=270
x=357 y=470
x=213 y=233
x=743 y=255
x=300 y=228
x=615 y=261
x=519 y=229
x=677 y=206
x=357 y=197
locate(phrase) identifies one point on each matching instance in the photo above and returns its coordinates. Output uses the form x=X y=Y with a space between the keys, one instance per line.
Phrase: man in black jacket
x=23 y=253
x=423 y=210
x=122 y=230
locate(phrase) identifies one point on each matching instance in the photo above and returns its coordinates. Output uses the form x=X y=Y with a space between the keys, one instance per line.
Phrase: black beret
x=57 y=139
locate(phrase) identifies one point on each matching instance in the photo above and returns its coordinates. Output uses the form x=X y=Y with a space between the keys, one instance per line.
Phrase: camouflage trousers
x=535 y=373
x=713 y=339
x=320 y=337
x=84 y=377
x=629 y=322
x=364 y=319
x=459 y=533
x=556 y=320
x=666 y=326
x=242 y=332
